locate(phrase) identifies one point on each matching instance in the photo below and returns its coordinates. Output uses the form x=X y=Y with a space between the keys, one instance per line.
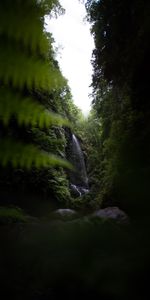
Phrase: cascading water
x=79 y=179
x=79 y=159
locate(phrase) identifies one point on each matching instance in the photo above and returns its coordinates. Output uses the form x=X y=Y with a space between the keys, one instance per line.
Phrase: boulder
x=64 y=213
x=114 y=213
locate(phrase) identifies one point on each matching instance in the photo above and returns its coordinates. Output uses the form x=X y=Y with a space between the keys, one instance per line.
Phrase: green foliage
x=35 y=72
x=121 y=47
x=120 y=88
x=25 y=67
x=30 y=31
x=34 y=107
x=9 y=215
x=27 y=111
x=69 y=109
x=27 y=156
x=60 y=187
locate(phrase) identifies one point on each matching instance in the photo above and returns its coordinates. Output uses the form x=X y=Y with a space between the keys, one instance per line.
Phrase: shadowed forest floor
x=73 y=259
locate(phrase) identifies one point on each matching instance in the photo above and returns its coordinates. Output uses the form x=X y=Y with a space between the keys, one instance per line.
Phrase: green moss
x=10 y=215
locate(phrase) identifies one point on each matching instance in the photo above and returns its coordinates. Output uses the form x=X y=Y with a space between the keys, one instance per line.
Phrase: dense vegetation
x=118 y=129
x=35 y=108
x=44 y=255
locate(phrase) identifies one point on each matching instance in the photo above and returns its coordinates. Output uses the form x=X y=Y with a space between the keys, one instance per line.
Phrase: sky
x=72 y=36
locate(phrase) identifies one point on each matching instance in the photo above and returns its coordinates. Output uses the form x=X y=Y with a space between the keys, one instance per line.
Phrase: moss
x=9 y=215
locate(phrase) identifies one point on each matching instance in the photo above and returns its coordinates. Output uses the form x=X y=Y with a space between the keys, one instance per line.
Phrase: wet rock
x=78 y=191
x=112 y=213
x=64 y=214
x=75 y=191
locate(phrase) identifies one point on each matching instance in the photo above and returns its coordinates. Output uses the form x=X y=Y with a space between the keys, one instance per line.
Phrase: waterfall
x=79 y=179
x=79 y=160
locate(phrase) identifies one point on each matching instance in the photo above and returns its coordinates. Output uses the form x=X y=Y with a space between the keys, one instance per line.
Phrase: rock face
x=112 y=213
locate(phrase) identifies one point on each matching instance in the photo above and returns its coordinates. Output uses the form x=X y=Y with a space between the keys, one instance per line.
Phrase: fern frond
x=30 y=36
x=27 y=29
x=24 y=66
x=21 y=70
x=27 y=156
x=27 y=111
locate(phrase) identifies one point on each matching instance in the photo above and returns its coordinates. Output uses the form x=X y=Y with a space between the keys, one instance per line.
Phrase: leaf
x=23 y=70
x=27 y=111
x=27 y=156
x=27 y=28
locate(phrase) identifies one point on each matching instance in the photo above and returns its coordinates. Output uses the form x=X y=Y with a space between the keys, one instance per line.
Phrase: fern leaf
x=24 y=65
x=27 y=156
x=30 y=36
x=27 y=111
x=27 y=29
x=27 y=71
